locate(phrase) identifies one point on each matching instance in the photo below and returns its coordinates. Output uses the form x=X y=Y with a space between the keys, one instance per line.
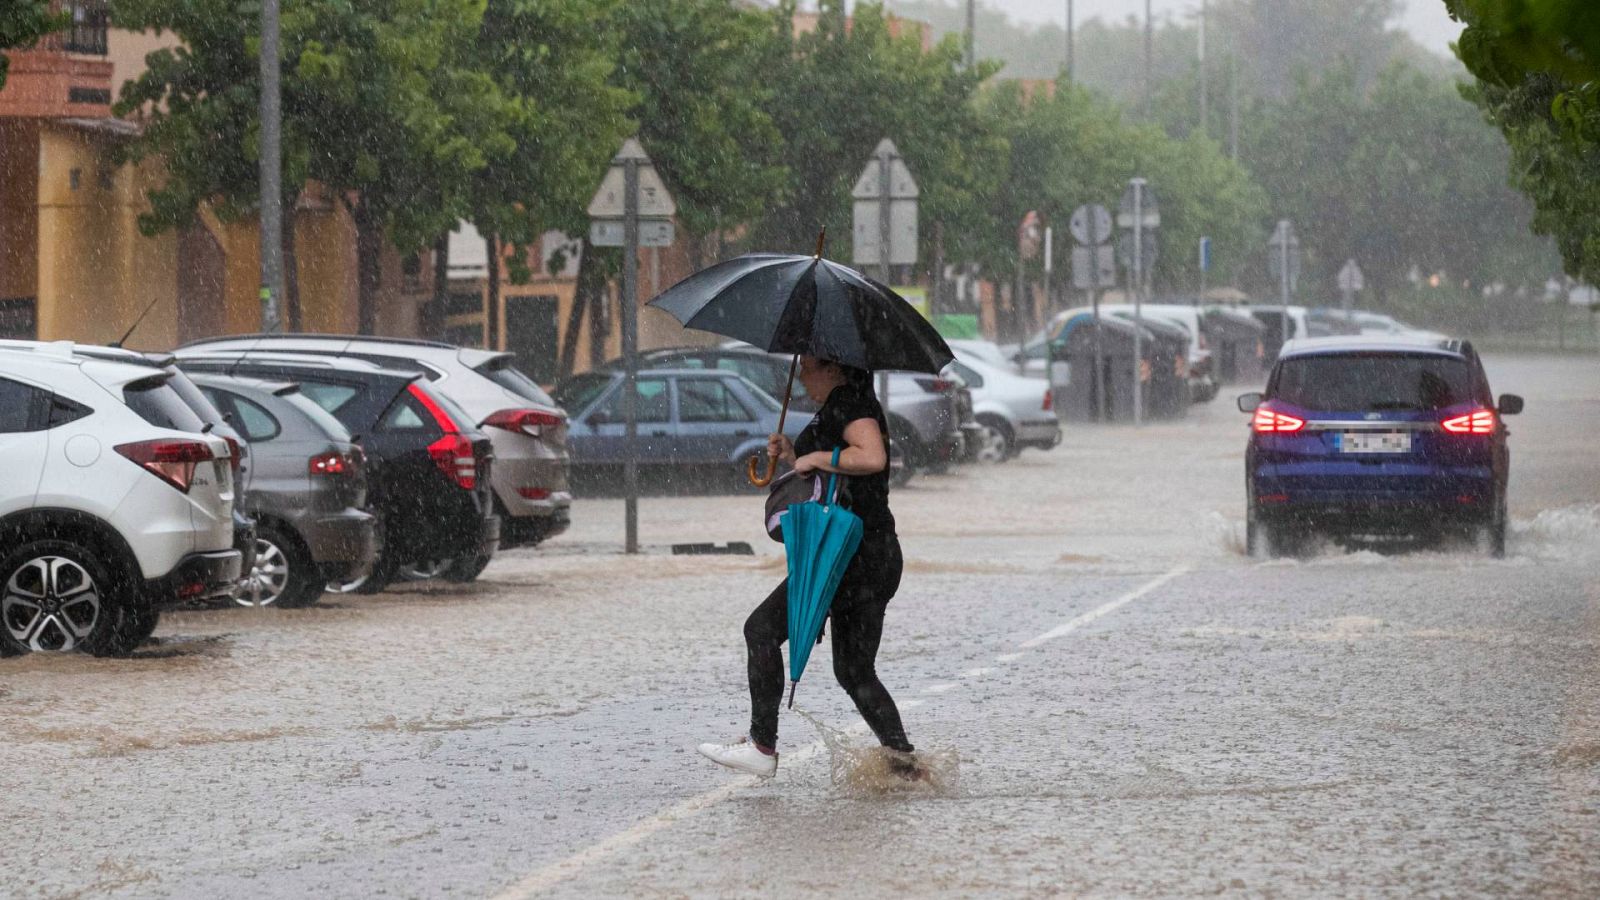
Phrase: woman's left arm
x=864 y=452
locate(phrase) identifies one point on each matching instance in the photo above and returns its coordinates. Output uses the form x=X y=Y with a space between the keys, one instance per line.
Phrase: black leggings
x=856 y=621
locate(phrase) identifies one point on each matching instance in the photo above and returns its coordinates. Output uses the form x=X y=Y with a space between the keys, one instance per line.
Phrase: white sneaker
x=743 y=756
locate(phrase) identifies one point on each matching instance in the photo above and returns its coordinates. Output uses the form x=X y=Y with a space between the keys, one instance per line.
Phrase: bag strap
x=833 y=479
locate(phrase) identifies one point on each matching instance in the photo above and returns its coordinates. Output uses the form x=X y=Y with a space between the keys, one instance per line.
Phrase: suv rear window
x=503 y=372
x=157 y=403
x=1373 y=382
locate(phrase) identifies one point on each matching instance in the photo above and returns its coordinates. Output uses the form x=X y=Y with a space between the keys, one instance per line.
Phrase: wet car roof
x=1369 y=343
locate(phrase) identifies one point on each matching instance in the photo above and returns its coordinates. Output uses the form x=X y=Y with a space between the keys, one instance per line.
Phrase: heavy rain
x=703 y=448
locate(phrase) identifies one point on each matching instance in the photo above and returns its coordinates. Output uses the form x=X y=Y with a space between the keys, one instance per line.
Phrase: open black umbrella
x=785 y=303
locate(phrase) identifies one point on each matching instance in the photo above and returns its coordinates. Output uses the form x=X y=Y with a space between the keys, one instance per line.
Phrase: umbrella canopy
x=820 y=540
x=808 y=305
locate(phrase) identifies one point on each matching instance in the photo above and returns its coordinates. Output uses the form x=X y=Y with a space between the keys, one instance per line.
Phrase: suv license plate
x=1374 y=442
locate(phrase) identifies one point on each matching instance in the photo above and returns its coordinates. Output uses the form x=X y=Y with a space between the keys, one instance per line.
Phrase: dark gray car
x=307 y=489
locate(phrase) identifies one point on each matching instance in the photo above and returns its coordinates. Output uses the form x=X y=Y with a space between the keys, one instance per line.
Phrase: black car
x=427 y=464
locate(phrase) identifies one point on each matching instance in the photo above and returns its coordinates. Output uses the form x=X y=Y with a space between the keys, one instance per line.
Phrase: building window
x=90 y=20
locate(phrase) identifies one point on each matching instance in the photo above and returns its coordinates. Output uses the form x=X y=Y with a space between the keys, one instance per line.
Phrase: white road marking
x=1071 y=625
x=565 y=868
x=978 y=672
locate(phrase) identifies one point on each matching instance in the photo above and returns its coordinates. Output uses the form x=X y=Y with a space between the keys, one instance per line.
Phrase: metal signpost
x=1205 y=266
x=633 y=197
x=1094 y=266
x=271 y=171
x=885 y=220
x=1284 y=261
x=1140 y=216
x=1351 y=280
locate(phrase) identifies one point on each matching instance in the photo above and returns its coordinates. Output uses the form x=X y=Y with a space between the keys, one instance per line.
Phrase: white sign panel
x=869 y=186
x=902 y=232
x=654 y=201
x=652 y=233
x=1351 y=278
x=1094 y=267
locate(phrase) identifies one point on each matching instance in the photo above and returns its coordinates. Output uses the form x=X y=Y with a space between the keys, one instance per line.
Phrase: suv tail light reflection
x=1480 y=421
x=1269 y=420
x=172 y=461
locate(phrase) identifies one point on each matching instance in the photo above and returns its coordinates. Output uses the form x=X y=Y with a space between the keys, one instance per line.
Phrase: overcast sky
x=1425 y=19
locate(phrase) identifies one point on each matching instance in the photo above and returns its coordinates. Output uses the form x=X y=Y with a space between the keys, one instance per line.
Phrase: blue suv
x=1376 y=436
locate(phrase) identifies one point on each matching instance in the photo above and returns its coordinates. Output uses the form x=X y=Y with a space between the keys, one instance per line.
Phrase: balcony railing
x=90 y=21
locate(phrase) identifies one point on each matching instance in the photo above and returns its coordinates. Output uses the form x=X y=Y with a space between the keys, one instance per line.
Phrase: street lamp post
x=271 y=171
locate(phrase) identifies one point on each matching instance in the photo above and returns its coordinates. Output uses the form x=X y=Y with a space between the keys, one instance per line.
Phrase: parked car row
x=274 y=468
x=709 y=409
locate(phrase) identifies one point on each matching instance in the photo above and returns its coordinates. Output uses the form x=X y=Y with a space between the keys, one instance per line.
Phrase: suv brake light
x=237 y=459
x=1049 y=400
x=531 y=422
x=1269 y=420
x=1479 y=421
x=172 y=461
x=453 y=455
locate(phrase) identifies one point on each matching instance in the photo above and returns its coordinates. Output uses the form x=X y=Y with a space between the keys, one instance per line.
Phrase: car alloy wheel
x=266 y=580
x=992 y=445
x=50 y=603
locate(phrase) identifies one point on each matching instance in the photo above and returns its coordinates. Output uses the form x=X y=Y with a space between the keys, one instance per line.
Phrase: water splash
x=872 y=770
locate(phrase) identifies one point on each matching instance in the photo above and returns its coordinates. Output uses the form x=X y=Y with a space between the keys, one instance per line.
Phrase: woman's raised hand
x=780 y=447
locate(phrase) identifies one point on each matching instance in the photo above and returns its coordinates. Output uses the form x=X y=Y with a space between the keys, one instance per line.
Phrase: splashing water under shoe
x=861 y=770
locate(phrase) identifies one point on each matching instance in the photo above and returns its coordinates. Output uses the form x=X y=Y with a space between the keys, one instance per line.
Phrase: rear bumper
x=199 y=576
x=346 y=540
x=1039 y=433
x=1436 y=503
x=523 y=531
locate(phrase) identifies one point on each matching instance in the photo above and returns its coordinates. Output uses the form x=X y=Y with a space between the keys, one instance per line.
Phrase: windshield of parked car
x=575 y=394
x=1373 y=382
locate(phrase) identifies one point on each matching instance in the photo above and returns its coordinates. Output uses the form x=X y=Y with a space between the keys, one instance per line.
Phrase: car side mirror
x=1510 y=404
x=1249 y=402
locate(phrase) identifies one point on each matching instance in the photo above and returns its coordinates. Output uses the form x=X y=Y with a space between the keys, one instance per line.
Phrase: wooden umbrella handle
x=752 y=472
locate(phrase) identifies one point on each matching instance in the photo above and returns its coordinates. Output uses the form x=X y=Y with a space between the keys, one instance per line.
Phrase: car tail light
x=936 y=385
x=1049 y=400
x=1479 y=421
x=172 y=461
x=335 y=462
x=531 y=422
x=453 y=455
x=533 y=493
x=236 y=459
x=453 y=452
x=1269 y=420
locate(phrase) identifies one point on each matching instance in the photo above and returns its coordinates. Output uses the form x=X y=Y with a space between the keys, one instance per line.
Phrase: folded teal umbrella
x=820 y=538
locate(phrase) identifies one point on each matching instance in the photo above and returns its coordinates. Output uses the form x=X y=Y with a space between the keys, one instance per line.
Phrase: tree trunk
x=491 y=329
x=433 y=313
x=580 y=301
x=369 y=271
x=291 y=267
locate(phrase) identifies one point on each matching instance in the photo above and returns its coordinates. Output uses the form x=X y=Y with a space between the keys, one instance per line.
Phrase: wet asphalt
x=1118 y=701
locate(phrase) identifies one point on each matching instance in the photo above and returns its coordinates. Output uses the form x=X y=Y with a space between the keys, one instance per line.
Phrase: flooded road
x=1120 y=703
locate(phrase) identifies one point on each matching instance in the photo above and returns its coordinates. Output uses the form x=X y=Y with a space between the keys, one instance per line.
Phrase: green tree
x=22 y=23
x=383 y=106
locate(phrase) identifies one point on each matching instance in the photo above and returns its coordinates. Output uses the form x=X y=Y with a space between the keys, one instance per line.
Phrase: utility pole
x=1205 y=122
x=1233 y=106
x=1070 y=49
x=271 y=171
x=1149 y=55
x=972 y=29
x=1137 y=281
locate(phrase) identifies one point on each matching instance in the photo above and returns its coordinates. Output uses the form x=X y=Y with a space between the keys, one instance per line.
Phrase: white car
x=1013 y=411
x=112 y=502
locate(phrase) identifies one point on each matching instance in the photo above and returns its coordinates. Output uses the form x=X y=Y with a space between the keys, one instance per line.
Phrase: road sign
x=1205 y=254
x=631 y=208
x=655 y=202
x=1090 y=224
x=1285 y=247
x=1094 y=267
x=885 y=189
x=869 y=185
x=611 y=233
x=1148 y=211
x=1350 y=277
